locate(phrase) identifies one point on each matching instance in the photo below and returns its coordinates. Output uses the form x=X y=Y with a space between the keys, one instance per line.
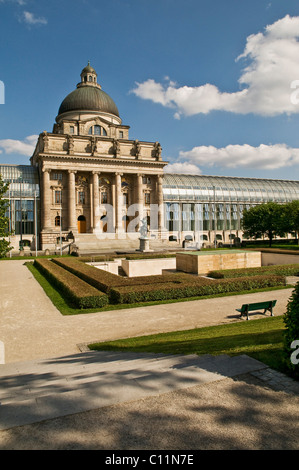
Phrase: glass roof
x=23 y=180
x=222 y=188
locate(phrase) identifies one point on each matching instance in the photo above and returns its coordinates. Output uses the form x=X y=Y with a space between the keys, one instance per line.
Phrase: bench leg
x=247 y=313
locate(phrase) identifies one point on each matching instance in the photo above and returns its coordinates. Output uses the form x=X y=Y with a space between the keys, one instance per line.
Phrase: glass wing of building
x=211 y=207
x=193 y=188
x=23 y=194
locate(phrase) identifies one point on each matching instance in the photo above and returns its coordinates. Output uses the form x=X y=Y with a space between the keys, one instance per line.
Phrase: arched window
x=57 y=221
x=97 y=130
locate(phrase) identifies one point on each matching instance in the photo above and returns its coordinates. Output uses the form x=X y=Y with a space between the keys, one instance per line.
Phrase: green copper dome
x=88 y=96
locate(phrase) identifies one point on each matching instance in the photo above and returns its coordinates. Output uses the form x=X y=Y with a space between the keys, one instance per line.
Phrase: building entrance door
x=81 y=224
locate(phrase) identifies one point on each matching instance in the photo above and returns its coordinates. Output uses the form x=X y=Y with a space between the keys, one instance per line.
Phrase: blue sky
x=215 y=82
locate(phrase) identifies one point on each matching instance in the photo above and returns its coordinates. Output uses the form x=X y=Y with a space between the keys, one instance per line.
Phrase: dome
x=88 y=98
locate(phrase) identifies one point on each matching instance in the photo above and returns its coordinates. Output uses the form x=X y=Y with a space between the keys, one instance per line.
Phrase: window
x=147 y=198
x=146 y=180
x=97 y=130
x=81 y=197
x=57 y=197
x=104 y=197
x=57 y=176
x=121 y=134
x=72 y=130
x=57 y=221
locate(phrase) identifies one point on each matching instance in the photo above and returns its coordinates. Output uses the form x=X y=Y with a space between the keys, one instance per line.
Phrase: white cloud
x=23 y=147
x=269 y=157
x=31 y=19
x=184 y=167
x=265 y=82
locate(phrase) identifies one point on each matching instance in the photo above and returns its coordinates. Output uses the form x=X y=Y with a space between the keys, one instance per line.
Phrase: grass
x=261 y=339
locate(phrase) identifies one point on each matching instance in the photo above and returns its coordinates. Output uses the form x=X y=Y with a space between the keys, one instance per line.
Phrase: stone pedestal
x=144 y=244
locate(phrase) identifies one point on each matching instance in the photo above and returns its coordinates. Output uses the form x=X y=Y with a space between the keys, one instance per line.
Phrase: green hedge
x=172 y=290
x=98 y=278
x=81 y=294
x=280 y=270
x=104 y=280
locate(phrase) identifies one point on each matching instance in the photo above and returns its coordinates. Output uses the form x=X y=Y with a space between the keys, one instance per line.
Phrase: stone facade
x=94 y=179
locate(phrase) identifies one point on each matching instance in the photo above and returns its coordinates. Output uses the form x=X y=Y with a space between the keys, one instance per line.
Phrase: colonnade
x=69 y=190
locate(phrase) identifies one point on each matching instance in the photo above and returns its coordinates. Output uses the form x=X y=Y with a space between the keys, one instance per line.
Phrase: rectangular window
x=58 y=197
x=147 y=198
x=104 y=197
x=121 y=134
x=57 y=176
x=72 y=130
x=81 y=197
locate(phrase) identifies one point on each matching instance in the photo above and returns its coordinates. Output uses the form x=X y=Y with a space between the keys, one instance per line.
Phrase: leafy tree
x=291 y=218
x=291 y=334
x=263 y=219
x=4 y=221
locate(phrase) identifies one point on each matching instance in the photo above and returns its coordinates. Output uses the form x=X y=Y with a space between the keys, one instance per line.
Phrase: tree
x=291 y=218
x=4 y=220
x=291 y=334
x=263 y=219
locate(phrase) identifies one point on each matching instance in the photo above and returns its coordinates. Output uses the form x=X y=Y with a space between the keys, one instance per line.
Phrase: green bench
x=246 y=308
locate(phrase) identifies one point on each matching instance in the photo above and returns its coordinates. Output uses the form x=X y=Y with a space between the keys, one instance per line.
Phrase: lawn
x=261 y=339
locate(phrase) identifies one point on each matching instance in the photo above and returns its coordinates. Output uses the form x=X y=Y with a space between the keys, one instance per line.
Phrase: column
x=139 y=199
x=160 y=203
x=46 y=200
x=96 y=200
x=72 y=201
x=118 y=204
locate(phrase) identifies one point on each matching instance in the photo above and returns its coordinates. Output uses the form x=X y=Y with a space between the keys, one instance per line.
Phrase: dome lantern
x=89 y=76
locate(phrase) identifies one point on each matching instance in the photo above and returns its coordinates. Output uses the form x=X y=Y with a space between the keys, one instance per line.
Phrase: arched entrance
x=81 y=224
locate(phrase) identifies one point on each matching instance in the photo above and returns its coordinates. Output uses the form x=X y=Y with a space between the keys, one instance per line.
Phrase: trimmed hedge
x=98 y=278
x=171 y=290
x=81 y=294
x=105 y=281
x=280 y=270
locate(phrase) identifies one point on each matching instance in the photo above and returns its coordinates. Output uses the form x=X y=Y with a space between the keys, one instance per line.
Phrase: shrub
x=280 y=270
x=291 y=320
x=81 y=294
x=105 y=280
x=200 y=287
x=98 y=278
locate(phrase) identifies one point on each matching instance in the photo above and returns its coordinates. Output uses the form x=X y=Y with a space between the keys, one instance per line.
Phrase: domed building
x=90 y=185
x=97 y=184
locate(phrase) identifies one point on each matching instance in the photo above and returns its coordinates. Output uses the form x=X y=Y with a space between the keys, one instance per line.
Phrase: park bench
x=246 y=308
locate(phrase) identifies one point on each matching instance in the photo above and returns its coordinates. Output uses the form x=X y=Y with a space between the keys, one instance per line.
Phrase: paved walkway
x=73 y=400
x=31 y=327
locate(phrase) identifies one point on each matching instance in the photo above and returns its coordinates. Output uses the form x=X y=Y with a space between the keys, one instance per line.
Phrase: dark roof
x=88 y=98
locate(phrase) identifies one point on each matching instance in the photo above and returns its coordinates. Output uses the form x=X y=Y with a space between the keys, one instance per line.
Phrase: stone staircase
x=91 y=243
x=37 y=390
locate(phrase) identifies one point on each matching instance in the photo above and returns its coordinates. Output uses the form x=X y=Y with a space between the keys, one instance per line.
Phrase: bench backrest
x=258 y=305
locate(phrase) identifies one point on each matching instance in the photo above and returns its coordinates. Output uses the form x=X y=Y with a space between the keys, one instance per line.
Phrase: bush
x=200 y=287
x=98 y=278
x=291 y=320
x=78 y=292
x=105 y=280
x=280 y=270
